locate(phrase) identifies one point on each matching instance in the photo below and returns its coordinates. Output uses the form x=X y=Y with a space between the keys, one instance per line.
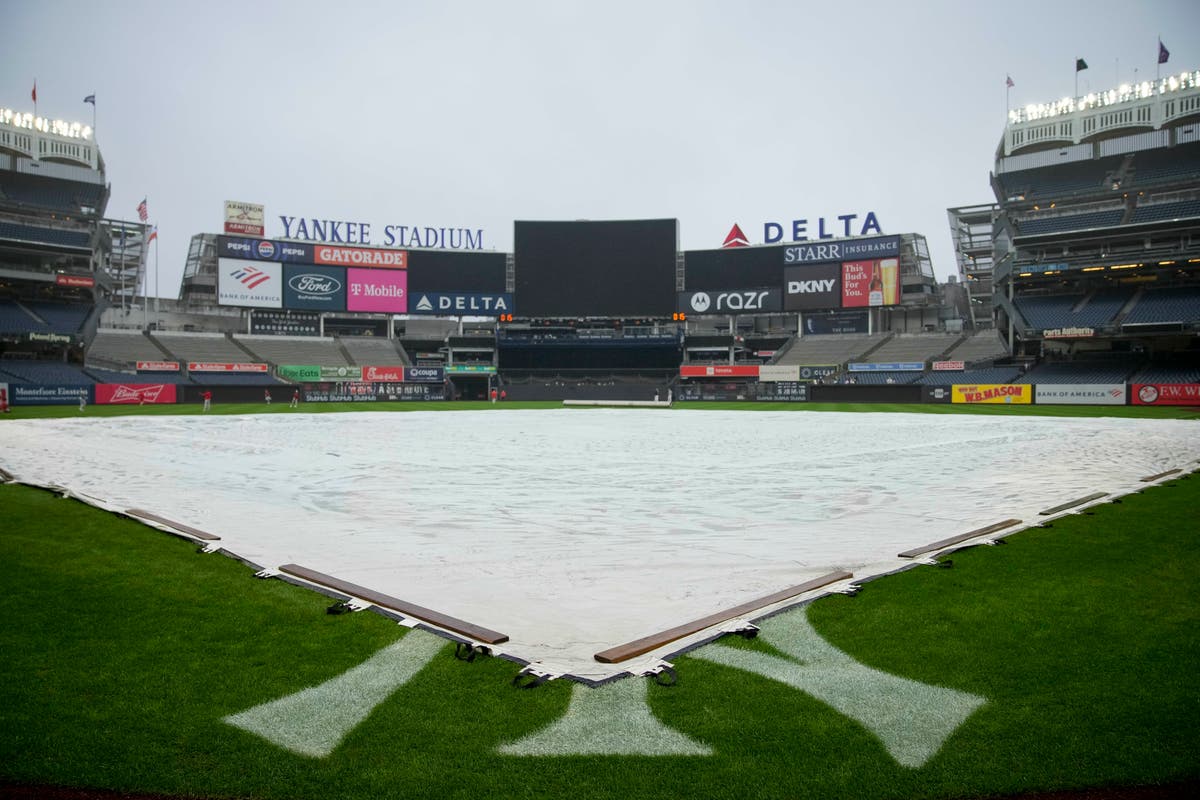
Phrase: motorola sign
x=812 y=286
x=731 y=301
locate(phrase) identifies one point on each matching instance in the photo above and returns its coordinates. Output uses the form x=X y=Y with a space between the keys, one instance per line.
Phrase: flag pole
x=1076 y=95
x=1158 y=63
x=156 y=290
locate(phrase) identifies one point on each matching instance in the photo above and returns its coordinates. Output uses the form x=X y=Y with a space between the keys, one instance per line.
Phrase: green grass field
x=123 y=649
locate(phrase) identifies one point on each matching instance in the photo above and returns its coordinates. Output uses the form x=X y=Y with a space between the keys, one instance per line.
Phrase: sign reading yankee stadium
x=336 y=231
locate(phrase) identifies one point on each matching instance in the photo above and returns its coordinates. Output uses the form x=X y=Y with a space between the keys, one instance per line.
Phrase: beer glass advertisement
x=870 y=283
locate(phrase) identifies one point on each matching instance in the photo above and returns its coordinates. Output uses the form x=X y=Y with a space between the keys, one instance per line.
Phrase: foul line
x=1073 y=503
x=624 y=652
x=474 y=632
x=962 y=537
x=138 y=513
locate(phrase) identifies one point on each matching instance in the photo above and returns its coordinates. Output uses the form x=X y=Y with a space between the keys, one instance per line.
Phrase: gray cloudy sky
x=473 y=114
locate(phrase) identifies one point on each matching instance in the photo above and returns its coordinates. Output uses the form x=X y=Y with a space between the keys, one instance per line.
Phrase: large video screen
x=440 y=271
x=595 y=269
x=732 y=267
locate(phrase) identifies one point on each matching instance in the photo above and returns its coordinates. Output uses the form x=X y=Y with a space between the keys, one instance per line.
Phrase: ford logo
x=266 y=249
x=309 y=283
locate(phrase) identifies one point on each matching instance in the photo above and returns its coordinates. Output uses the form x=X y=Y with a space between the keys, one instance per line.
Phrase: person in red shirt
x=207 y=399
x=295 y=398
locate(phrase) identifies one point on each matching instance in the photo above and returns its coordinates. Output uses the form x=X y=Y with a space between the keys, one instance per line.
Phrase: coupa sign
x=731 y=301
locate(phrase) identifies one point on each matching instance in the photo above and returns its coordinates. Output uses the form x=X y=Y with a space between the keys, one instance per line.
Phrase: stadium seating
x=49 y=236
x=44 y=372
x=1166 y=305
x=1080 y=176
x=982 y=345
x=51 y=194
x=202 y=347
x=317 y=350
x=60 y=317
x=990 y=375
x=123 y=347
x=15 y=319
x=1079 y=372
x=831 y=349
x=1165 y=165
x=1161 y=211
x=1071 y=311
x=113 y=376
x=222 y=379
x=1071 y=222
x=365 y=350
x=880 y=377
x=913 y=347
x=1166 y=373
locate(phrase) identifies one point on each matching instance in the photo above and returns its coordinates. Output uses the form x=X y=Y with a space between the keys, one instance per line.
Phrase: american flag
x=143 y=211
x=153 y=235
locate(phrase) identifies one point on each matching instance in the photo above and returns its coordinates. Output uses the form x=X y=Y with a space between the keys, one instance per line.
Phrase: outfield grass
x=123 y=648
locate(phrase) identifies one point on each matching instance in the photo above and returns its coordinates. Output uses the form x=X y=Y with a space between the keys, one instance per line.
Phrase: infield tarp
x=574 y=531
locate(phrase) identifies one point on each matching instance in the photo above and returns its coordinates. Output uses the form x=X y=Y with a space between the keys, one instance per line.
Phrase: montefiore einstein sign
x=338 y=231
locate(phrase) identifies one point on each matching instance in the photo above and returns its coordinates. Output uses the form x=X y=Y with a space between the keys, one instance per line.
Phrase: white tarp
x=574 y=531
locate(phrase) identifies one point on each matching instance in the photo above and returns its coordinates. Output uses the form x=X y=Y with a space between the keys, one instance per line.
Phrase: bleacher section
x=1165 y=165
x=831 y=349
x=43 y=372
x=60 y=317
x=991 y=375
x=1066 y=311
x=913 y=347
x=982 y=345
x=367 y=350
x=322 y=351
x=15 y=319
x=1079 y=372
x=1158 y=373
x=1161 y=211
x=1071 y=222
x=202 y=347
x=113 y=376
x=123 y=347
x=1064 y=179
x=1180 y=305
x=878 y=378
x=48 y=236
x=52 y=194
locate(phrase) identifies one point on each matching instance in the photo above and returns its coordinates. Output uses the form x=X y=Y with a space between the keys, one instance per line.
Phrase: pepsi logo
x=266 y=249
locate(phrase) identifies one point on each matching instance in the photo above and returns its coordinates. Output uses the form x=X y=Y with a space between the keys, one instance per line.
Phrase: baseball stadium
x=602 y=517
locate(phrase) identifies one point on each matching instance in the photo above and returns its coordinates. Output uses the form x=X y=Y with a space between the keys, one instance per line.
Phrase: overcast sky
x=473 y=114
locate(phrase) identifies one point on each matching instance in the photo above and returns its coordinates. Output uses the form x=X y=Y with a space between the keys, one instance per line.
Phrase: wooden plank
x=138 y=513
x=624 y=652
x=1150 y=478
x=1073 y=503
x=962 y=537
x=474 y=632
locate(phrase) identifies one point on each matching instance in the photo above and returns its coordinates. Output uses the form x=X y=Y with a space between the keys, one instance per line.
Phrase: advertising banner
x=812 y=286
x=1068 y=333
x=842 y=250
x=1166 y=394
x=383 y=374
x=936 y=394
x=376 y=290
x=461 y=303
x=783 y=391
x=78 y=281
x=19 y=395
x=470 y=369
x=245 y=218
x=284 y=323
x=814 y=372
x=1014 y=393
x=360 y=257
x=134 y=393
x=314 y=374
x=315 y=288
x=870 y=283
x=835 y=322
x=949 y=365
x=263 y=250
x=257 y=284
x=1080 y=394
x=158 y=366
x=893 y=366
x=778 y=372
x=730 y=301
x=372 y=392
x=424 y=374
x=719 y=371
x=209 y=366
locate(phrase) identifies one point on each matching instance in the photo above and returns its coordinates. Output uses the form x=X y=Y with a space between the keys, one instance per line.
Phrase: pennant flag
x=1163 y=52
x=153 y=235
x=143 y=211
x=1080 y=64
x=91 y=98
x=1008 y=81
x=35 y=91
